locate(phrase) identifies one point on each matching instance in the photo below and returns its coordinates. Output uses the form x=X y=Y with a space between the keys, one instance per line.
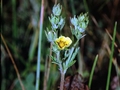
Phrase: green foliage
x=28 y=82
x=20 y=28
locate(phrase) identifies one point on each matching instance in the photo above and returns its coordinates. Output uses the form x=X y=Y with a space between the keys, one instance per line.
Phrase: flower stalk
x=62 y=80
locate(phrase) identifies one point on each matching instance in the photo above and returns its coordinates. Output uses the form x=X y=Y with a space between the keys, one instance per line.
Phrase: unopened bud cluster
x=80 y=23
x=56 y=19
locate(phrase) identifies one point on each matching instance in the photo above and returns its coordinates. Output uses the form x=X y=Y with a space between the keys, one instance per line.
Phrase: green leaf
x=71 y=63
x=54 y=60
x=66 y=54
x=66 y=66
x=74 y=54
x=72 y=30
x=30 y=78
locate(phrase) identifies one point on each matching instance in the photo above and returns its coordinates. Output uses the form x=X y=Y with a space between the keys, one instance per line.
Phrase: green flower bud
x=57 y=22
x=54 y=21
x=81 y=22
x=61 y=23
x=74 y=21
x=57 y=10
x=51 y=35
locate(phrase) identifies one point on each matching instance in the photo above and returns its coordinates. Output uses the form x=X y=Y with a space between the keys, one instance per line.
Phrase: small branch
x=11 y=58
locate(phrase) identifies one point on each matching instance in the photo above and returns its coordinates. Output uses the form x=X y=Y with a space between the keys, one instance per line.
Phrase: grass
x=39 y=46
x=92 y=72
x=111 y=58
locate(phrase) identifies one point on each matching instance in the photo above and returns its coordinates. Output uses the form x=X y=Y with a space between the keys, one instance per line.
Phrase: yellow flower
x=63 y=42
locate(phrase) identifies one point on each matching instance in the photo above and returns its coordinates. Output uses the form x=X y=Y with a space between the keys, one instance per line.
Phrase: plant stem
x=47 y=70
x=76 y=43
x=62 y=72
x=49 y=63
x=111 y=57
x=39 y=46
x=92 y=71
x=62 y=80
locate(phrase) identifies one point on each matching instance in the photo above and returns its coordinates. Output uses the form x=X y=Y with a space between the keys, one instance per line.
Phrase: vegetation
x=33 y=35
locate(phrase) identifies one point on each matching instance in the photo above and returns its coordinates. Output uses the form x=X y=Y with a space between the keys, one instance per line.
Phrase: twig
x=10 y=55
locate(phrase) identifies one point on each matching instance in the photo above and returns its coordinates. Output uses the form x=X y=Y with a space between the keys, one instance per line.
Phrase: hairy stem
x=62 y=80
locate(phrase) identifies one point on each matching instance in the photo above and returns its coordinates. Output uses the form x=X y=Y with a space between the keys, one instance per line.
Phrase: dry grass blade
x=112 y=39
x=10 y=55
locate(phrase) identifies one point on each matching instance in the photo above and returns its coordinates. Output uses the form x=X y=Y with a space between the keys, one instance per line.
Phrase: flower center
x=61 y=44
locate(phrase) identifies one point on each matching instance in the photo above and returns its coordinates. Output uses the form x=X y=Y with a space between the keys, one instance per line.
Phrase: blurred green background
x=20 y=27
